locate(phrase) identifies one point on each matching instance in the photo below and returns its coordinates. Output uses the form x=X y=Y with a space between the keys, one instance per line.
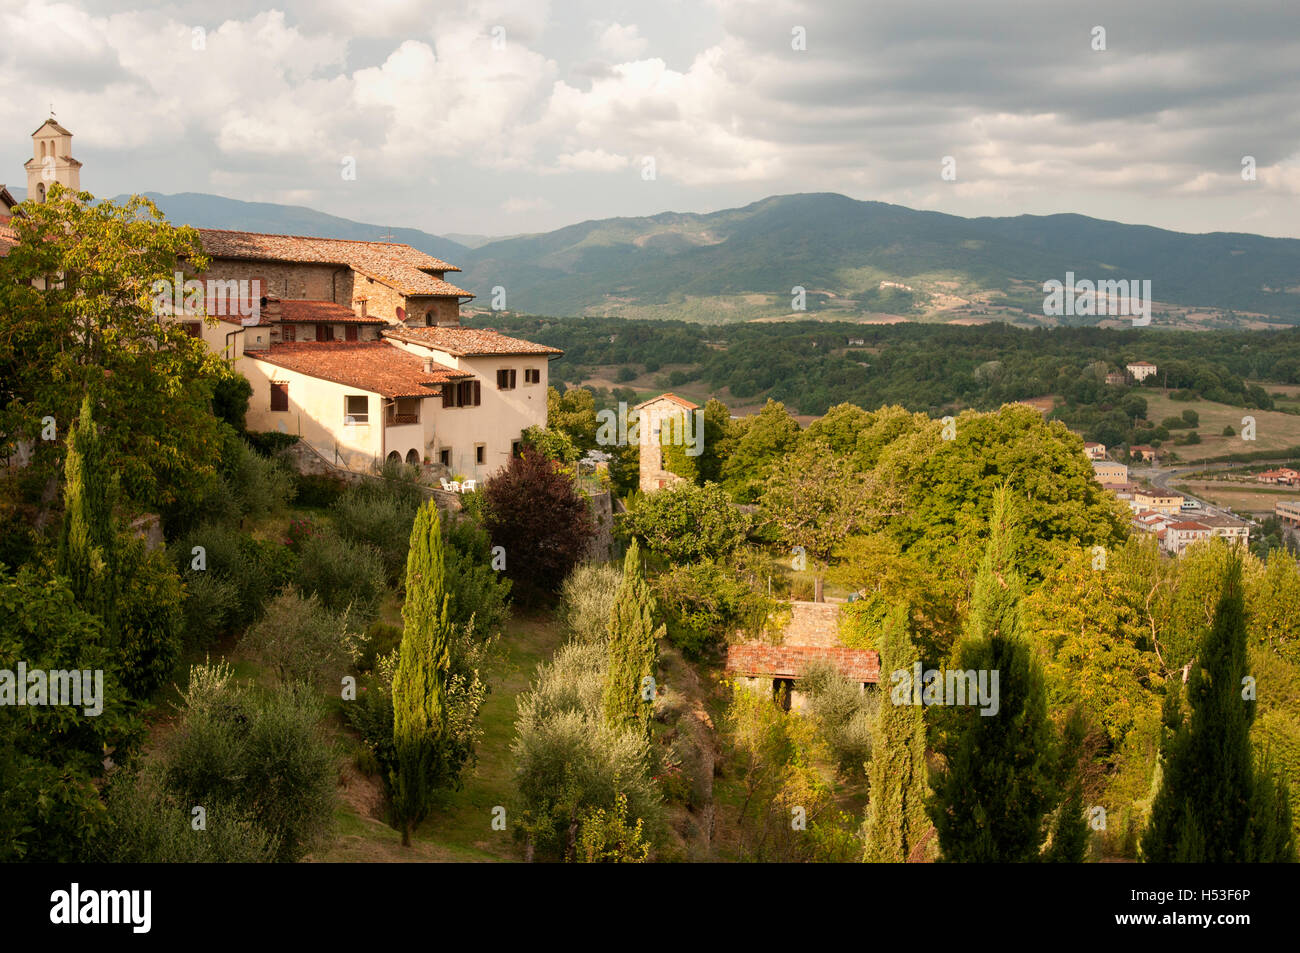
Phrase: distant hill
x=865 y=259
x=857 y=261
x=214 y=211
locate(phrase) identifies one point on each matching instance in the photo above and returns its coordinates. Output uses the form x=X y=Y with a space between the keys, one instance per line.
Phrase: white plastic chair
x=469 y=486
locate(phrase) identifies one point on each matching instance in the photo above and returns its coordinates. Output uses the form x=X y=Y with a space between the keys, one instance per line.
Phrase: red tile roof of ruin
x=468 y=342
x=8 y=237
x=791 y=661
x=669 y=396
x=375 y=366
x=399 y=266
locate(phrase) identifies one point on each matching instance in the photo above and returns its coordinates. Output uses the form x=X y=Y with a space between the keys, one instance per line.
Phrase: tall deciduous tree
x=1211 y=806
x=990 y=802
x=77 y=318
x=896 y=819
x=87 y=546
x=633 y=650
x=420 y=681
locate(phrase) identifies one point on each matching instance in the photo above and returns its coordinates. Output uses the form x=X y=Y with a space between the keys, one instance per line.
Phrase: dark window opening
x=444 y=457
x=324 y=332
x=480 y=454
x=279 y=396
x=506 y=379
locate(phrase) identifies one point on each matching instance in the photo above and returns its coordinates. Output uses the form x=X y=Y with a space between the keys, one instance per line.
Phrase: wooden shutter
x=279 y=396
x=288 y=333
x=477 y=392
x=350 y=332
x=448 y=395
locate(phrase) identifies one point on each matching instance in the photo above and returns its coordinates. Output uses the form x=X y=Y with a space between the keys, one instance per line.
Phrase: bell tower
x=51 y=161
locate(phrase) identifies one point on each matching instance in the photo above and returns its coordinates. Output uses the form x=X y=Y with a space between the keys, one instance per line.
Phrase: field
x=1274 y=431
x=1240 y=497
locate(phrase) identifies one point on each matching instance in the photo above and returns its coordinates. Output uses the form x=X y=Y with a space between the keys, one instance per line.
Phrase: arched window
x=394 y=456
x=428 y=319
x=40 y=191
x=413 y=457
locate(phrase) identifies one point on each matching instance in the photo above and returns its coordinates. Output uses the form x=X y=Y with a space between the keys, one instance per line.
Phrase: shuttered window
x=279 y=396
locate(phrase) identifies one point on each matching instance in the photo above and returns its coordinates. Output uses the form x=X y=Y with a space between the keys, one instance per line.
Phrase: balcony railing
x=399 y=419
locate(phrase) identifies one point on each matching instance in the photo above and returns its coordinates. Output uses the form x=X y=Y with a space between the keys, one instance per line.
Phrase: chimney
x=362 y=302
x=428 y=365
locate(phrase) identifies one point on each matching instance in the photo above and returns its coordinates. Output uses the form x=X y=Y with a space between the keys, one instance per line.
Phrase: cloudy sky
x=493 y=117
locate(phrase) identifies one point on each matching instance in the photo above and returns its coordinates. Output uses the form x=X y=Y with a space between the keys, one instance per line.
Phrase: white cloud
x=591 y=160
x=619 y=42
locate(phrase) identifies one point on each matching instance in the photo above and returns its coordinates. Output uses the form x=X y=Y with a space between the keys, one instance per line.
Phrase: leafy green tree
x=633 y=650
x=1208 y=809
x=52 y=757
x=687 y=523
x=88 y=545
x=815 y=500
x=990 y=802
x=420 y=682
x=552 y=443
x=896 y=818
x=705 y=466
x=573 y=413
x=77 y=320
x=760 y=443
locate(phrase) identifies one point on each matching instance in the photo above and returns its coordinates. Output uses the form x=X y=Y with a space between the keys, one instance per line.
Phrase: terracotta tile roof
x=8 y=237
x=398 y=266
x=374 y=366
x=669 y=396
x=790 y=661
x=301 y=311
x=1189 y=525
x=468 y=342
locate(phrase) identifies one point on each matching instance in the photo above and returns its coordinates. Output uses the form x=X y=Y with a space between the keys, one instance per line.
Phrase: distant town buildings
x=1108 y=473
x=1285 y=477
x=1144 y=453
x=1095 y=451
x=1158 y=501
x=1288 y=511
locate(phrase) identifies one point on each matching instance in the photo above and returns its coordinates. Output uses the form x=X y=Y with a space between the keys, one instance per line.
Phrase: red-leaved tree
x=534 y=510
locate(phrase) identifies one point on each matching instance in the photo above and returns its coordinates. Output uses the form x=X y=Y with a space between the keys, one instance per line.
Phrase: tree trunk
x=817 y=589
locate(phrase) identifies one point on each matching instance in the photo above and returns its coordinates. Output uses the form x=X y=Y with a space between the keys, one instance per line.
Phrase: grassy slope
x=1273 y=430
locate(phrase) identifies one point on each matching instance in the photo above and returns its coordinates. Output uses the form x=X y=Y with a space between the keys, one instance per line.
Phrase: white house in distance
x=1095 y=451
x=1141 y=370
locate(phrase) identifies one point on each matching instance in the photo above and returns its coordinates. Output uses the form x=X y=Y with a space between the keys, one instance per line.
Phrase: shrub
x=262 y=753
x=151 y=620
x=256 y=570
x=317 y=491
x=209 y=605
x=586 y=601
x=146 y=824
x=343 y=574
x=374 y=517
x=300 y=530
x=843 y=714
x=302 y=641
x=686 y=523
x=260 y=486
x=270 y=443
x=568 y=765
x=382 y=639
x=478 y=592
x=704 y=603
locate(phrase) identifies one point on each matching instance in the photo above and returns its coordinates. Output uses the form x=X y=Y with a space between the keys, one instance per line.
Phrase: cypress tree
x=88 y=542
x=420 y=680
x=990 y=803
x=896 y=820
x=1070 y=830
x=1211 y=807
x=633 y=650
